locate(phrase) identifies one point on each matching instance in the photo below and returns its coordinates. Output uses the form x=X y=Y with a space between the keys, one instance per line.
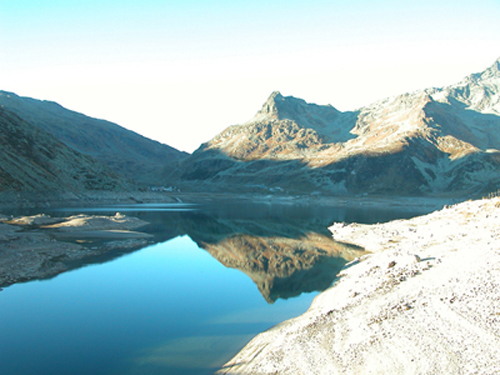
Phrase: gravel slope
x=426 y=301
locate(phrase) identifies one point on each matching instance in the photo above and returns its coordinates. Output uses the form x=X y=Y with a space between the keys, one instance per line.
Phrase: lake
x=215 y=276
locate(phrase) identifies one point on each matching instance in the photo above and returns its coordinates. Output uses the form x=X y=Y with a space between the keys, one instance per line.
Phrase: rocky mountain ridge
x=284 y=128
x=437 y=141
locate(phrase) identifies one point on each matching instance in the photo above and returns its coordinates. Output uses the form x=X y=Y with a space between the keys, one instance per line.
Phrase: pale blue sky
x=181 y=71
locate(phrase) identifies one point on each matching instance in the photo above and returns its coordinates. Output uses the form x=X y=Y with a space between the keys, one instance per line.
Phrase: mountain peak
x=270 y=107
x=492 y=72
x=479 y=91
x=275 y=94
x=496 y=65
x=279 y=107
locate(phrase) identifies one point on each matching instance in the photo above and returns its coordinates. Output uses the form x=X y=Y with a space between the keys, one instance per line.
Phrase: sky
x=180 y=72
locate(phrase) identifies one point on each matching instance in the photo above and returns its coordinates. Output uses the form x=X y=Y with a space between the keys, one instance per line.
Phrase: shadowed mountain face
x=443 y=141
x=126 y=152
x=32 y=160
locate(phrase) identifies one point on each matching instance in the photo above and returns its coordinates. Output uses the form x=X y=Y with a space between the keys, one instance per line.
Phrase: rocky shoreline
x=41 y=246
x=426 y=301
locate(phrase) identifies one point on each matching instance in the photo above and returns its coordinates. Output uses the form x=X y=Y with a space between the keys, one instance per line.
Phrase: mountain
x=128 y=153
x=285 y=128
x=437 y=141
x=34 y=161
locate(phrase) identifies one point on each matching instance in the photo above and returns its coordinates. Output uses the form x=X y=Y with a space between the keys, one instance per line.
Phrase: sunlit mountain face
x=429 y=142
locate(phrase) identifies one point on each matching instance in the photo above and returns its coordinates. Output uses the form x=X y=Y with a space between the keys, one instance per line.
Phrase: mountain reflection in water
x=284 y=256
x=284 y=267
x=285 y=249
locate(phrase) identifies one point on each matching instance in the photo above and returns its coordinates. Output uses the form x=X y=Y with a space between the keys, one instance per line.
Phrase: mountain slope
x=128 y=153
x=434 y=141
x=285 y=128
x=31 y=160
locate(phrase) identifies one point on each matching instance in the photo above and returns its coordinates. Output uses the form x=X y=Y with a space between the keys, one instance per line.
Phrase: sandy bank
x=427 y=301
x=41 y=246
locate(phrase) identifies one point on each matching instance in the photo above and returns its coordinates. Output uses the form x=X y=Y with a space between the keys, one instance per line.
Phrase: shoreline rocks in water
x=427 y=301
x=41 y=246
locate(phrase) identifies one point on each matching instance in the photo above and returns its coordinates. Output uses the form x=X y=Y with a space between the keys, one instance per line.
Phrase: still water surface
x=173 y=307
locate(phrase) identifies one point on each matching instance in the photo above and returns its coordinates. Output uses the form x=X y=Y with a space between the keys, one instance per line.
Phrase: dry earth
x=426 y=301
x=41 y=246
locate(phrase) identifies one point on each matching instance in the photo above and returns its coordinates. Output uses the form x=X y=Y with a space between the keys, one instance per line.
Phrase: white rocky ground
x=426 y=301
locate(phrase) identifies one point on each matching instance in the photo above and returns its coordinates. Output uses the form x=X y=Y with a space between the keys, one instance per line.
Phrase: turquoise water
x=169 y=308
